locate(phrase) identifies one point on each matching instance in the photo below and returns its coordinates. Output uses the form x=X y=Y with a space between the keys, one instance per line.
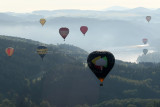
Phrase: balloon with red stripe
x=84 y=29
x=64 y=32
x=9 y=51
x=145 y=40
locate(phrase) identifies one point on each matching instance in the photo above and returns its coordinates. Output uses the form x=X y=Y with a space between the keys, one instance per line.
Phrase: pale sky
x=32 y=5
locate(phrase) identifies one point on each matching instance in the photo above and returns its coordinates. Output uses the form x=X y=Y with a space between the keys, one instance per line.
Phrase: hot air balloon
x=145 y=51
x=42 y=21
x=145 y=40
x=101 y=62
x=42 y=51
x=148 y=18
x=64 y=32
x=9 y=51
x=84 y=29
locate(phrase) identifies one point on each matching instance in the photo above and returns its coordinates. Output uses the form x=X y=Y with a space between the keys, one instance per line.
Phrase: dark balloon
x=145 y=51
x=42 y=51
x=101 y=62
x=148 y=18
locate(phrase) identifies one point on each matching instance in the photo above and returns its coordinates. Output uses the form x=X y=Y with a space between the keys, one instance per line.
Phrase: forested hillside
x=63 y=80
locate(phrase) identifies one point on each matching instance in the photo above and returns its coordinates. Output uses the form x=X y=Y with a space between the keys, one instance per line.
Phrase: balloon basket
x=101 y=84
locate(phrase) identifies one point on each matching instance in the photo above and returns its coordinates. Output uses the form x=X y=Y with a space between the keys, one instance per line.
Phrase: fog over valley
x=117 y=29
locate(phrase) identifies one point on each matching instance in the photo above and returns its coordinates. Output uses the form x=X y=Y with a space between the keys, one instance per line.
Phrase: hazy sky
x=31 y=5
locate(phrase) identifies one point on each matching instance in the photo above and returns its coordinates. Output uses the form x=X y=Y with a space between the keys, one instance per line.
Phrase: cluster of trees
x=151 y=57
x=130 y=103
x=62 y=80
x=25 y=103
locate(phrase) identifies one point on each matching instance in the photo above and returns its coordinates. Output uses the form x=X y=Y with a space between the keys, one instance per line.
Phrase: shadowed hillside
x=63 y=80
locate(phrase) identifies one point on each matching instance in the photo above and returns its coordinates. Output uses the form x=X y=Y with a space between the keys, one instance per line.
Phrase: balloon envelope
x=101 y=62
x=42 y=51
x=145 y=40
x=148 y=18
x=64 y=32
x=9 y=51
x=84 y=29
x=42 y=21
x=145 y=51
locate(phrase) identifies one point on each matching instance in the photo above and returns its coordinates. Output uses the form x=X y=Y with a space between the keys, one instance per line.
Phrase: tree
x=131 y=105
x=45 y=103
x=7 y=103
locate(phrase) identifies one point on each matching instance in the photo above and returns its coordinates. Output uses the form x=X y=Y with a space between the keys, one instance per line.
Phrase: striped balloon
x=42 y=51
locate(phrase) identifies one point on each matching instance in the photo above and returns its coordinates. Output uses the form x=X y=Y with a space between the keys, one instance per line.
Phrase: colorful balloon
x=9 y=51
x=84 y=29
x=42 y=51
x=101 y=63
x=145 y=40
x=64 y=32
x=145 y=51
x=42 y=21
x=148 y=18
